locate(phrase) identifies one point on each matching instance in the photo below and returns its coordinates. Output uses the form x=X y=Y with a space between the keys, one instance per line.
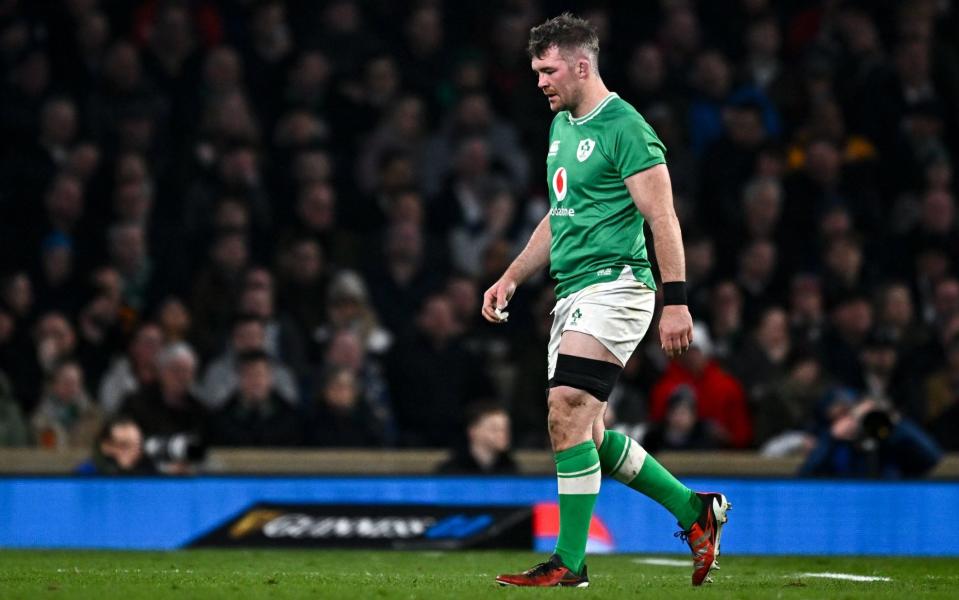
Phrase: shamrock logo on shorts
x=576 y=315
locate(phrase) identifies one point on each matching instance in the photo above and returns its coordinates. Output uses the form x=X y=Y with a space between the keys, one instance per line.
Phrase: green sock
x=578 y=475
x=626 y=461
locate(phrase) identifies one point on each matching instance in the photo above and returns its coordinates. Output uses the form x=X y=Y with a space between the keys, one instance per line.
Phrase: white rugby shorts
x=617 y=313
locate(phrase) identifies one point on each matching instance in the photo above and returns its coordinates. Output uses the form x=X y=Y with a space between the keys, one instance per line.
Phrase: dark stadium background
x=270 y=223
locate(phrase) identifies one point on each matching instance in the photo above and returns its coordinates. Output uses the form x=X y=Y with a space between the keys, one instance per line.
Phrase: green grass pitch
x=362 y=574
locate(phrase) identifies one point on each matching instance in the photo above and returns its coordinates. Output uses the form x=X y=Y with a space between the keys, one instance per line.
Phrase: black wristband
x=674 y=292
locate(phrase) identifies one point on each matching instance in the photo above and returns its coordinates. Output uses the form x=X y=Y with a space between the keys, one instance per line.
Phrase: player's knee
x=564 y=400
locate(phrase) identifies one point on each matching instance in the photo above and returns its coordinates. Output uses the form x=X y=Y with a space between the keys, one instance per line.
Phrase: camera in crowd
x=877 y=424
x=176 y=448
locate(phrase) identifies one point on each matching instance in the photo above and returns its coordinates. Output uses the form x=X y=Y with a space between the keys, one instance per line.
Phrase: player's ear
x=583 y=68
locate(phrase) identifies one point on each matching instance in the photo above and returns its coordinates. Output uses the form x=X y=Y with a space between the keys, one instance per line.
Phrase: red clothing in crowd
x=719 y=398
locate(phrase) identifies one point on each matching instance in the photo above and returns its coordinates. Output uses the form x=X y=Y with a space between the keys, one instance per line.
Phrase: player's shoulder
x=620 y=109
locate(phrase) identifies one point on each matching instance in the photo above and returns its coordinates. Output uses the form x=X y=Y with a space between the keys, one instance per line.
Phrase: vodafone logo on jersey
x=560 y=183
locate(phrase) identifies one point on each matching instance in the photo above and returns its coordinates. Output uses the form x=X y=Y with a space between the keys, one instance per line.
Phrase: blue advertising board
x=817 y=517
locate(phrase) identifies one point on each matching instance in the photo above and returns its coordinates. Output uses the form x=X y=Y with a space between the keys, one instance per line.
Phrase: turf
x=360 y=574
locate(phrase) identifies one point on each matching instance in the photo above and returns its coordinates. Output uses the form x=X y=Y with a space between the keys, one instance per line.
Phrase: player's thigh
x=614 y=318
x=577 y=343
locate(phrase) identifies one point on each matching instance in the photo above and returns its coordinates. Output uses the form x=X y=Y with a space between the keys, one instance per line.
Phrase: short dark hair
x=481 y=409
x=566 y=32
x=106 y=430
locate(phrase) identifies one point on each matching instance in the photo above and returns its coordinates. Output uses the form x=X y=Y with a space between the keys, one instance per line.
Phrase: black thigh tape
x=590 y=375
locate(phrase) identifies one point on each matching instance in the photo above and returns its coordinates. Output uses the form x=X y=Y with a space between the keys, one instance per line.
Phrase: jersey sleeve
x=636 y=147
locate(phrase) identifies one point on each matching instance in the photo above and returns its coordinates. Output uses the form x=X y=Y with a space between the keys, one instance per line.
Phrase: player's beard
x=568 y=100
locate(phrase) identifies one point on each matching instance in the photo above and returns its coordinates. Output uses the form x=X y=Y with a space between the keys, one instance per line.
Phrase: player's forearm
x=668 y=240
x=534 y=256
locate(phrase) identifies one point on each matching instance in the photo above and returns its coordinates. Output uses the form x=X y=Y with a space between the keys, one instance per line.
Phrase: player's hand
x=496 y=298
x=675 y=330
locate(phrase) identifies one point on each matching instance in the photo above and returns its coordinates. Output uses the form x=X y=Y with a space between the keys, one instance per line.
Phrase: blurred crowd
x=270 y=223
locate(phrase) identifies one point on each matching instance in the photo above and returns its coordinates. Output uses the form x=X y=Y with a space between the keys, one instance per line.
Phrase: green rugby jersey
x=596 y=228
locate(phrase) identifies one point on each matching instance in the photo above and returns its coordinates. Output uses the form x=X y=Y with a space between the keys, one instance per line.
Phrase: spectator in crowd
x=403 y=131
x=56 y=339
x=118 y=450
x=851 y=321
x=486 y=450
x=681 y=428
x=168 y=406
x=762 y=364
x=255 y=415
x=881 y=373
x=128 y=254
x=284 y=340
x=348 y=307
x=346 y=350
x=896 y=315
x=66 y=416
x=100 y=329
x=728 y=327
x=57 y=285
x=318 y=217
x=217 y=286
x=473 y=118
x=864 y=438
x=302 y=282
x=18 y=296
x=468 y=241
x=433 y=377
x=720 y=398
x=757 y=278
x=782 y=424
x=174 y=320
x=727 y=162
x=807 y=320
x=133 y=371
x=220 y=380
x=398 y=284
x=339 y=415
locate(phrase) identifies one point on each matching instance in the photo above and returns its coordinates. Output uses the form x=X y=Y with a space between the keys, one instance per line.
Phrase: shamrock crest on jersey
x=584 y=149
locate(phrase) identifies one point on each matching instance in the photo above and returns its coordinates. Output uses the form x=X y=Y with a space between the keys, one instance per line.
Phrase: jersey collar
x=602 y=104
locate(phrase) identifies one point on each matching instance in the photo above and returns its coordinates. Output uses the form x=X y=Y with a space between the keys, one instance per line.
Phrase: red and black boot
x=552 y=573
x=703 y=536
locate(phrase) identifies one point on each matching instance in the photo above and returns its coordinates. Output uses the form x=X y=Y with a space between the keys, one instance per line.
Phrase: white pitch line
x=845 y=576
x=662 y=562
